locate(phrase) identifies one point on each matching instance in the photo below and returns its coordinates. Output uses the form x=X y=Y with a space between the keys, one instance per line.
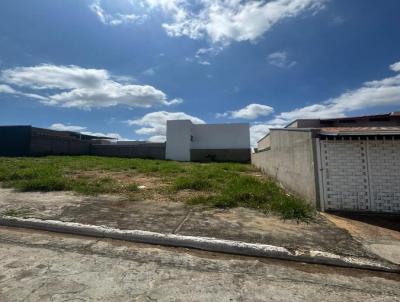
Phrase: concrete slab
x=42 y=266
x=378 y=234
x=249 y=225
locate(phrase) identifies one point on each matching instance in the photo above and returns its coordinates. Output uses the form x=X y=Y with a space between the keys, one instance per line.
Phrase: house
x=339 y=164
x=207 y=142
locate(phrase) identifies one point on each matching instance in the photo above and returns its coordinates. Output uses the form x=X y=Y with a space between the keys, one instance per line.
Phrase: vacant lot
x=211 y=184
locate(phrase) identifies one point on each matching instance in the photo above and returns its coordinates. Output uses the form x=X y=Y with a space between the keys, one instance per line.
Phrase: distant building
x=185 y=142
x=207 y=142
x=340 y=164
x=32 y=141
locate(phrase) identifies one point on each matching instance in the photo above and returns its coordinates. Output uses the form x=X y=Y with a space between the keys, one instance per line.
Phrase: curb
x=201 y=243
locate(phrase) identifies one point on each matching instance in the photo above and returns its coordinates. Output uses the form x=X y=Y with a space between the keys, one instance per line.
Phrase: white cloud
x=83 y=88
x=154 y=123
x=395 y=67
x=6 y=89
x=203 y=55
x=108 y=134
x=157 y=138
x=257 y=131
x=378 y=93
x=62 y=127
x=220 y=21
x=280 y=59
x=250 y=112
x=47 y=76
x=81 y=129
x=223 y=21
x=114 y=19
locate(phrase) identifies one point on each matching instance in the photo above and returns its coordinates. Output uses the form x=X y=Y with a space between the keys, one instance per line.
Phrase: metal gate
x=360 y=175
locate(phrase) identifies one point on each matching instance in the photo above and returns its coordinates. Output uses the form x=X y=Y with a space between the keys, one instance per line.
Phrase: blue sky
x=123 y=67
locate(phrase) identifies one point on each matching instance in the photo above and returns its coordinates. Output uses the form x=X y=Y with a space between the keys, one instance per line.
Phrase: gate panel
x=360 y=175
x=345 y=175
x=384 y=162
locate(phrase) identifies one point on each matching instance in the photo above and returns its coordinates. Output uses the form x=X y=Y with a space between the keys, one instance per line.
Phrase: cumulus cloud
x=154 y=123
x=114 y=19
x=219 y=21
x=74 y=86
x=378 y=93
x=81 y=129
x=280 y=59
x=250 y=112
x=223 y=21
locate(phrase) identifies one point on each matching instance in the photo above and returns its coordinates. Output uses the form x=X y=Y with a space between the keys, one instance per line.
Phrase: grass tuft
x=132 y=188
x=192 y=183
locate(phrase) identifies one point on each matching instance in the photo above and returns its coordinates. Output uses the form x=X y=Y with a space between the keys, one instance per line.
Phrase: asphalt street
x=43 y=266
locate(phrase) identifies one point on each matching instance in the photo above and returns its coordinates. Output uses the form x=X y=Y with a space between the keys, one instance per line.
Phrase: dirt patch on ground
x=124 y=178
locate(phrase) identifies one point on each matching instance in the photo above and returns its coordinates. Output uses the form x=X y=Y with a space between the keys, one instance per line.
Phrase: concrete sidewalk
x=43 y=266
x=240 y=224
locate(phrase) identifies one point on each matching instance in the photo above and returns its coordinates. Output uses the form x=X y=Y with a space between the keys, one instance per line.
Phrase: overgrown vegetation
x=212 y=184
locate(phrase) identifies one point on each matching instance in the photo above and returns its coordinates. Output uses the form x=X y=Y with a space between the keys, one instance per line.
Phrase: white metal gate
x=360 y=175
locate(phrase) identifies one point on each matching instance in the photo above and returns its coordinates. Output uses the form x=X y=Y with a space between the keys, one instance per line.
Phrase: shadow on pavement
x=387 y=221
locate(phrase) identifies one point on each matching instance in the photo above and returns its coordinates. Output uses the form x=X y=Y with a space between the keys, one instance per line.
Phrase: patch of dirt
x=124 y=178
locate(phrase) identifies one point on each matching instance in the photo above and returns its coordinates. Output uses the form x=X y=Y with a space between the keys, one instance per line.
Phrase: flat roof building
x=207 y=142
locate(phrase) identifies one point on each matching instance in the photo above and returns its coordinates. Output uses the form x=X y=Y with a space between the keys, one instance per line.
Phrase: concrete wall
x=220 y=142
x=221 y=155
x=15 y=140
x=56 y=146
x=47 y=142
x=290 y=161
x=264 y=143
x=220 y=136
x=149 y=150
x=178 y=140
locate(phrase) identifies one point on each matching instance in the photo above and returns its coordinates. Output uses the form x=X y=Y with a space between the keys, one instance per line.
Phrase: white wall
x=221 y=136
x=182 y=136
x=291 y=161
x=264 y=143
x=178 y=140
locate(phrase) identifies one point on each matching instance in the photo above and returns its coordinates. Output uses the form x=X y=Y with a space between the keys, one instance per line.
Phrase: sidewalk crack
x=178 y=228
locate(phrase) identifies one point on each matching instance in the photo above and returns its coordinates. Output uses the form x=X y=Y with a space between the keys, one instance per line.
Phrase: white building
x=207 y=142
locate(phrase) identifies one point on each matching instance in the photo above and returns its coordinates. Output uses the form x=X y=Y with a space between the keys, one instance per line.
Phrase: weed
x=132 y=187
x=192 y=183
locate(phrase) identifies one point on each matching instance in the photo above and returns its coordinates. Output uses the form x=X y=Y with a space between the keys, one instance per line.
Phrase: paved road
x=41 y=266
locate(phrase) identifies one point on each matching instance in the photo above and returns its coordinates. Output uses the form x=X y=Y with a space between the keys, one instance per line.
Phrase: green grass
x=218 y=184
